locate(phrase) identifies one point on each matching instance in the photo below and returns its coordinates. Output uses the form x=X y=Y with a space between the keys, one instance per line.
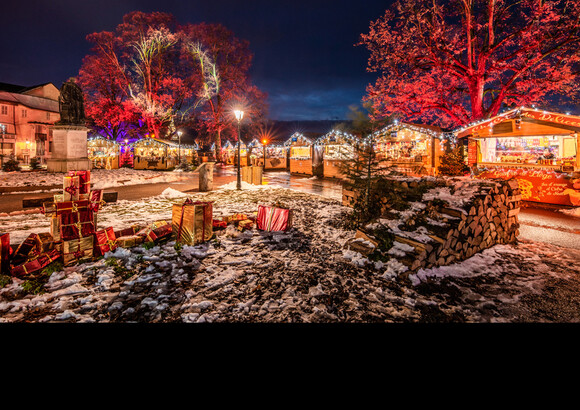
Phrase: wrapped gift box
x=272 y=218
x=245 y=224
x=132 y=230
x=47 y=240
x=75 y=225
x=77 y=250
x=29 y=249
x=55 y=227
x=219 y=224
x=71 y=188
x=5 y=253
x=129 y=241
x=59 y=198
x=35 y=265
x=84 y=180
x=96 y=200
x=151 y=234
x=105 y=241
x=192 y=222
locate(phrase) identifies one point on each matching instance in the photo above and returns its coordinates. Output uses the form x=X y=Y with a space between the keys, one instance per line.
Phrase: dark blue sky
x=304 y=53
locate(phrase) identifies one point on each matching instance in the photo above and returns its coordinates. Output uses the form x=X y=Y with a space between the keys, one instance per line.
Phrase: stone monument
x=69 y=134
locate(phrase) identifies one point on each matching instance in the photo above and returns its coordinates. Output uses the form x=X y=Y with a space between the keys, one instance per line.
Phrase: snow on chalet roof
x=30 y=101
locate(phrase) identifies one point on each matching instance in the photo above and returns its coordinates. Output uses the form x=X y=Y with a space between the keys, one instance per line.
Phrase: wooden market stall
x=301 y=154
x=410 y=148
x=103 y=153
x=228 y=152
x=538 y=148
x=153 y=153
x=337 y=147
x=276 y=157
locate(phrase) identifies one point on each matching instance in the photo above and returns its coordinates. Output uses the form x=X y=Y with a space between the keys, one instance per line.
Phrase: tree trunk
x=218 y=146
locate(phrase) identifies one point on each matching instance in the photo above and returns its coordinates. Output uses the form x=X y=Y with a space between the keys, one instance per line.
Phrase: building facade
x=26 y=116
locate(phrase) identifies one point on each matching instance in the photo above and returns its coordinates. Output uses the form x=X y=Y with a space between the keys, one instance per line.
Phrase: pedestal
x=69 y=149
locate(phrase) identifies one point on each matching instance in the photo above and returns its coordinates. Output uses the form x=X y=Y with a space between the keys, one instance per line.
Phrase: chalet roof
x=554 y=121
x=14 y=88
x=30 y=101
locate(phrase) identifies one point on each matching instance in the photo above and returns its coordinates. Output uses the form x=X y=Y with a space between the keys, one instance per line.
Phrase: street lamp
x=264 y=142
x=239 y=115
x=179 y=152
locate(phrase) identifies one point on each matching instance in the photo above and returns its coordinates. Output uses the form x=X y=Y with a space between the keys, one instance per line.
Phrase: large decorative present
x=47 y=240
x=105 y=241
x=5 y=253
x=192 y=222
x=128 y=241
x=71 y=186
x=74 y=225
x=271 y=218
x=28 y=249
x=36 y=264
x=77 y=250
x=55 y=227
x=84 y=180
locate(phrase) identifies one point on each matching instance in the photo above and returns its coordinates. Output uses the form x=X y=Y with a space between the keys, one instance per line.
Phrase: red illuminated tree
x=456 y=61
x=167 y=75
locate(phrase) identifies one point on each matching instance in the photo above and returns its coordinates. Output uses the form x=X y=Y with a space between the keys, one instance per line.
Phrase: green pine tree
x=452 y=162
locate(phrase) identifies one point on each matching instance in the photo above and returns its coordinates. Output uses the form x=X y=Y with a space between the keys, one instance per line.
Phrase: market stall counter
x=536 y=147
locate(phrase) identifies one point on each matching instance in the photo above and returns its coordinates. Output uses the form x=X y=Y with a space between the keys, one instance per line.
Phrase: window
x=48 y=116
x=23 y=113
x=4 y=109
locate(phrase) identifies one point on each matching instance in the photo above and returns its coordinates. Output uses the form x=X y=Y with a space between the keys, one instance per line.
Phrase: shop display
x=537 y=148
x=300 y=154
x=103 y=153
x=337 y=147
x=410 y=148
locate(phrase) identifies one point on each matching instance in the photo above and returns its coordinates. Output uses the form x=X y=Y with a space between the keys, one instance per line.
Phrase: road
x=541 y=225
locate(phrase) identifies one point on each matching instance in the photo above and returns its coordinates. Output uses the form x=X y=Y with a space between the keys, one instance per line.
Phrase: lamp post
x=239 y=115
x=264 y=142
x=179 y=149
x=3 y=128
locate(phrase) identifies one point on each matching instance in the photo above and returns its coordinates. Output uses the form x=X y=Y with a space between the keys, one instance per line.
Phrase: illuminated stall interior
x=301 y=154
x=103 y=153
x=337 y=147
x=524 y=137
x=409 y=148
x=536 y=147
x=153 y=153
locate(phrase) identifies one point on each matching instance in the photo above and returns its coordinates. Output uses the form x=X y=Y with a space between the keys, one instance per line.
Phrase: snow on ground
x=100 y=178
x=303 y=275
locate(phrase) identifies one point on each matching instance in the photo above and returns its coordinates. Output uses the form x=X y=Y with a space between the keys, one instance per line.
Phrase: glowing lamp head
x=239 y=114
x=264 y=141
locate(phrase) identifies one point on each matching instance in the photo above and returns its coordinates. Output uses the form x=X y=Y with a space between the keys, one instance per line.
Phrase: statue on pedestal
x=71 y=104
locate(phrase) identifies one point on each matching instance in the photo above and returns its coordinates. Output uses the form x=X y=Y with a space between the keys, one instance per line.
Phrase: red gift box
x=84 y=186
x=75 y=225
x=41 y=262
x=30 y=248
x=272 y=218
x=96 y=200
x=71 y=188
x=219 y=224
x=5 y=252
x=153 y=235
x=105 y=241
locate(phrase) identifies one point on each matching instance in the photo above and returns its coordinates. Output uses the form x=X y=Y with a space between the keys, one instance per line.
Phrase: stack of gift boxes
x=74 y=236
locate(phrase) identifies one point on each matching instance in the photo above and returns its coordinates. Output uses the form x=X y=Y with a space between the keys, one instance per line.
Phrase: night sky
x=304 y=53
